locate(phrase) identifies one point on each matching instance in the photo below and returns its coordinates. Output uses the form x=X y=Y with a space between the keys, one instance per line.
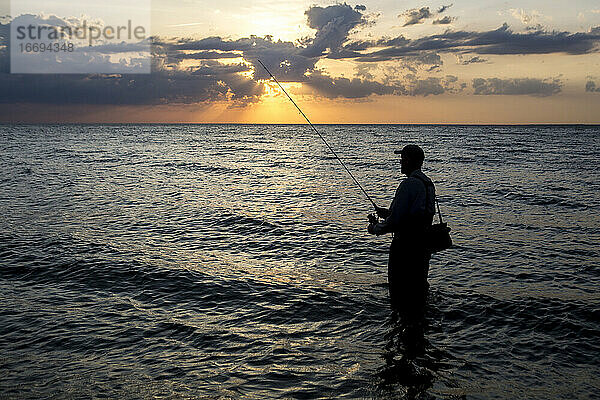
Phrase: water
x=231 y=261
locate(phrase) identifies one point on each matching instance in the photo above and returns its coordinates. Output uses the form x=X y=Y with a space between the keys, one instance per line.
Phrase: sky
x=369 y=62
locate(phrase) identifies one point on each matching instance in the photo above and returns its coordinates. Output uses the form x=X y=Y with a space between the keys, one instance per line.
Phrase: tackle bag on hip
x=437 y=236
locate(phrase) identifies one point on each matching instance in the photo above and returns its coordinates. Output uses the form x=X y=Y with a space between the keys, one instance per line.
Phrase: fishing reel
x=378 y=216
x=373 y=219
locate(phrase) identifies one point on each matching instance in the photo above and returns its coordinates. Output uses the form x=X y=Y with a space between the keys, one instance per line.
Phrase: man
x=410 y=213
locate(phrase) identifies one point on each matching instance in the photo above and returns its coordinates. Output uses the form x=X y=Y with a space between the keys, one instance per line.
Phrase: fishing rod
x=321 y=136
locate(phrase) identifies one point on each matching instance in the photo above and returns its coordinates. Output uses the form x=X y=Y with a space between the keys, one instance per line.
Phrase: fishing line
x=321 y=136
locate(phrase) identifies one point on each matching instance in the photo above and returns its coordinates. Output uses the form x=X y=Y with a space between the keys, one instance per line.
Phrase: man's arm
x=382 y=212
x=396 y=213
x=400 y=207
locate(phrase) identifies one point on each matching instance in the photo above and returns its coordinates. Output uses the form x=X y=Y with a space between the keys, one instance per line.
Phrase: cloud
x=333 y=24
x=208 y=83
x=500 y=41
x=204 y=55
x=4 y=33
x=591 y=87
x=444 y=21
x=419 y=15
x=425 y=87
x=525 y=17
x=430 y=60
x=347 y=88
x=444 y=8
x=209 y=80
x=431 y=86
x=394 y=84
x=364 y=71
x=518 y=86
x=412 y=85
x=284 y=59
x=473 y=60
x=89 y=55
x=415 y=16
x=505 y=41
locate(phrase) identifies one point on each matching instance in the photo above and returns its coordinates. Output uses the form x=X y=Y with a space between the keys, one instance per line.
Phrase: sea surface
x=232 y=261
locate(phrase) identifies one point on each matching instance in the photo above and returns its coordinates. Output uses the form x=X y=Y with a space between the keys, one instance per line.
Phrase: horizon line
x=2 y=123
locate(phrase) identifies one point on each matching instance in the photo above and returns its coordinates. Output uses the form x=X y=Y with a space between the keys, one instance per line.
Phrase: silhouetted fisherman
x=411 y=211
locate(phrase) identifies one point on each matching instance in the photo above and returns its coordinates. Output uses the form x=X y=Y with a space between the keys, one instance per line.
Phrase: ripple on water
x=232 y=261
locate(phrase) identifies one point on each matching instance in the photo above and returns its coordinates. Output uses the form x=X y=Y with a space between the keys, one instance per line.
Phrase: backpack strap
x=427 y=197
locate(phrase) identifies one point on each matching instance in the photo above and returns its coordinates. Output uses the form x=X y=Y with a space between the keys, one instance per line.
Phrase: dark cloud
x=360 y=7
x=358 y=88
x=122 y=47
x=348 y=88
x=519 y=86
x=333 y=24
x=535 y=28
x=444 y=8
x=430 y=60
x=505 y=41
x=429 y=86
x=284 y=59
x=415 y=16
x=4 y=33
x=204 y=55
x=499 y=41
x=213 y=68
x=4 y=39
x=473 y=60
x=444 y=21
x=363 y=45
x=591 y=87
x=419 y=15
x=207 y=83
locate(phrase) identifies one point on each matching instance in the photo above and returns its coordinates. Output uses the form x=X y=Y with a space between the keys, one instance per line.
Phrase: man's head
x=412 y=158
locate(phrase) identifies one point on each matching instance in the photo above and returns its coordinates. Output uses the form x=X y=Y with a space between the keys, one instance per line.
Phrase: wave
x=540 y=199
x=192 y=166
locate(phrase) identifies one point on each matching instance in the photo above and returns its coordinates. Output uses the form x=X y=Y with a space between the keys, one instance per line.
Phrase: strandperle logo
x=88 y=37
x=90 y=33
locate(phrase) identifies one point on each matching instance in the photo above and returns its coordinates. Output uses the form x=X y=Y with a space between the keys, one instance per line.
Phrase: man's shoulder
x=419 y=176
x=414 y=182
x=410 y=184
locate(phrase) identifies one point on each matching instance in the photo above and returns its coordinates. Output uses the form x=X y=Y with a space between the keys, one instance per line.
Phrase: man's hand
x=372 y=222
x=382 y=212
x=370 y=229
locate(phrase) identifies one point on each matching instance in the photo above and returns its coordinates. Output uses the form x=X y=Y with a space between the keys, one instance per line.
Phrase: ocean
x=233 y=261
